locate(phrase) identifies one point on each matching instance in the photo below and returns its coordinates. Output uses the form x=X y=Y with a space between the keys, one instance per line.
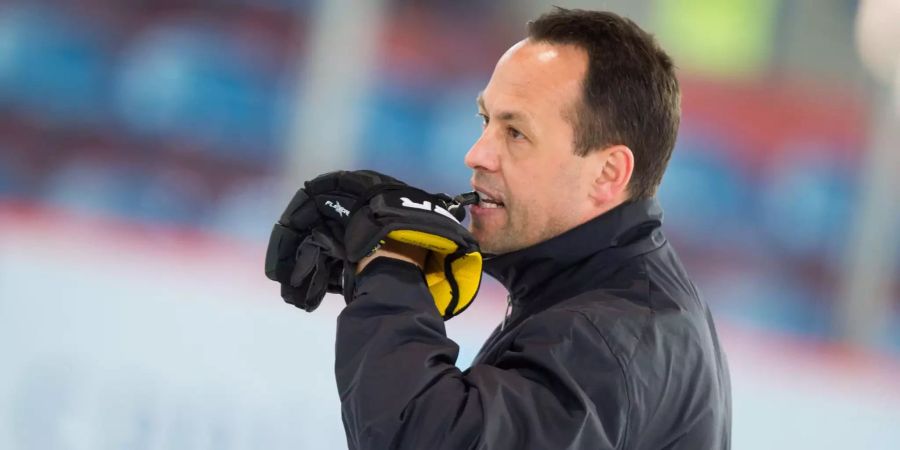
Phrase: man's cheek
x=514 y=216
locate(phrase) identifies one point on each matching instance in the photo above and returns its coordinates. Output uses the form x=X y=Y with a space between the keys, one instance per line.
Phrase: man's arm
x=400 y=388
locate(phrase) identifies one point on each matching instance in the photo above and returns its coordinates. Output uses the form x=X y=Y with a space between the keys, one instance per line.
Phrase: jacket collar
x=549 y=268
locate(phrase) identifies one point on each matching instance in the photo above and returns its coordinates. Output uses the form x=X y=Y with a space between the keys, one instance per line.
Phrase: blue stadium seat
x=807 y=199
x=706 y=197
x=51 y=66
x=190 y=79
x=94 y=188
x=129 y=191
x=12 y=178
x=397 y=120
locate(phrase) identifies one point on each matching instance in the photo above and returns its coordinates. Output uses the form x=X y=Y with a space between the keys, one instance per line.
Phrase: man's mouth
x=486 y=201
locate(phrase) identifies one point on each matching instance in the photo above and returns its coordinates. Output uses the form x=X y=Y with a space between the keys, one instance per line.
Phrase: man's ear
x=611 y=170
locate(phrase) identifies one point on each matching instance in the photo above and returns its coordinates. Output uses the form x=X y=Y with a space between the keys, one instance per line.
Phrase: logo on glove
x=427 y=206
x=338 y=208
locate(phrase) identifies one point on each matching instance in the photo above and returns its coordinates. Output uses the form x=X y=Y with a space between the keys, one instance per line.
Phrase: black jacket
x=608 y=346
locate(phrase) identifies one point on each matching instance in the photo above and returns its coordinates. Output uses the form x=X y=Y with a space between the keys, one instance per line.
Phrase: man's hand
x=353 y=217
x=397 y=250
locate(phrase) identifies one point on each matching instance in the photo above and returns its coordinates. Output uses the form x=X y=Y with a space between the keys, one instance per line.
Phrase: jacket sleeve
x=400 y=388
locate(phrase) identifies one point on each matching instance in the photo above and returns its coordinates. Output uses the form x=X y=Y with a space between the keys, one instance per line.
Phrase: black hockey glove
x=303 y=256
x=340 y=217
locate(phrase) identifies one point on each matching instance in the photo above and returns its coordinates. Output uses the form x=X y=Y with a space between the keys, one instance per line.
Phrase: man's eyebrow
x=503 y=115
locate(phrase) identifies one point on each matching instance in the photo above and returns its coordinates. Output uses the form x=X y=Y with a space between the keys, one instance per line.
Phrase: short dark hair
x=630 y=95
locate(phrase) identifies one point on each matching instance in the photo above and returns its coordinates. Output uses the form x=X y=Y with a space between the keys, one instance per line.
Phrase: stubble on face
x=524 y=223
x=504 y=237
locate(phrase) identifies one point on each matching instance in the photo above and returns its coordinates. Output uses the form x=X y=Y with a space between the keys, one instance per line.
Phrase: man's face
x=525 y=158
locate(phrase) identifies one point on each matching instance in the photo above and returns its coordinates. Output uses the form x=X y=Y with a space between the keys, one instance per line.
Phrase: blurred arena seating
x=176 y=113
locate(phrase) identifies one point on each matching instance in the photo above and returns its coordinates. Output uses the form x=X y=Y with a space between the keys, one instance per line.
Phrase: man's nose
x=483 y=155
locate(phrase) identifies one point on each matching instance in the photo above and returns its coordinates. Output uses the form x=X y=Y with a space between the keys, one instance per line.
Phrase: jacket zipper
x=508 y=311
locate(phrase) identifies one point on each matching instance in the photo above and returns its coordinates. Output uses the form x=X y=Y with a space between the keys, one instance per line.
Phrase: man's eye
x=484 y=119
x=514 y=133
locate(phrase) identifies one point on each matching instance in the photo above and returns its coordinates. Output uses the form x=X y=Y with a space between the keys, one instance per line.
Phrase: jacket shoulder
x=648 y=299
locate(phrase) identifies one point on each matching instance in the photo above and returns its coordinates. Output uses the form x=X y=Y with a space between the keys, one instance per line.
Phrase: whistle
x=460 y=202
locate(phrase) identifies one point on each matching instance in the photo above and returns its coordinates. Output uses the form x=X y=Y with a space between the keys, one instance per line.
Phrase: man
x=607 y=343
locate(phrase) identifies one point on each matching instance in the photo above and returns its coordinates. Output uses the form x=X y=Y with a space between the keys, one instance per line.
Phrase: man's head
x=579 y=117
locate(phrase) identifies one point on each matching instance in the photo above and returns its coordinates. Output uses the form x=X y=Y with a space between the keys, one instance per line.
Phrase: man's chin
x=484 y=237
x=492 y=237
x=479 y=234
x=490 y=243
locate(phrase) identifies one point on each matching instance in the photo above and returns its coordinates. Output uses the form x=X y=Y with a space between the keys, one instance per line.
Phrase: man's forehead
x=541 y=64
x=545 y=56
x=535 y=75
x=543 y=51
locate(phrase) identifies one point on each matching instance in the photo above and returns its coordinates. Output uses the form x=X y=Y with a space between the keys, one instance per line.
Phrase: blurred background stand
x=328 y=106
x=866 y=300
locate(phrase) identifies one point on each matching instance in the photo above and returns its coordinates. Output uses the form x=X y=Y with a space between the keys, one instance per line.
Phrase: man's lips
x=488 y=199
x=486 y=206
x=484 y=210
